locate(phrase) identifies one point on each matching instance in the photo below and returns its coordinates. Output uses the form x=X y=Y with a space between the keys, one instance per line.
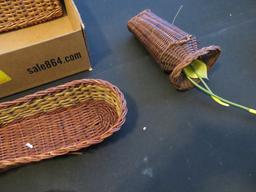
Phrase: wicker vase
x=171 y=47
x=16 y=14
x=59 y=120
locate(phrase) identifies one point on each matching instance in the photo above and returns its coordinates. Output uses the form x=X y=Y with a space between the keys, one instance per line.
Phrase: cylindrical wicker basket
x=16 y=14
x=171 y=47
x=59 y=120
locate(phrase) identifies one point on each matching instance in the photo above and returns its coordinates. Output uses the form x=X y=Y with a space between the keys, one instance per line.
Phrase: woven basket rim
x=57 y=89
x=177 y=72
x=201 y=52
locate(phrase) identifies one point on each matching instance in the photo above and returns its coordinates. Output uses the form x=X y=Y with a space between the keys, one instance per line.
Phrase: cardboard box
x=43 y=53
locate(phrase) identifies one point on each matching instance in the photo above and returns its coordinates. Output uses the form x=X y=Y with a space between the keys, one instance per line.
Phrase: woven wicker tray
x=16 y=14
x=58 y=121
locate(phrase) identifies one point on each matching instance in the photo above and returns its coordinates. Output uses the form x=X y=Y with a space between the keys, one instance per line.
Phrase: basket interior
x=82 y=113
x=208 y=55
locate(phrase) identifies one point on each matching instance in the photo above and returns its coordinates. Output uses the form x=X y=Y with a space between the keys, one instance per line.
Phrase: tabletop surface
x=172 y=141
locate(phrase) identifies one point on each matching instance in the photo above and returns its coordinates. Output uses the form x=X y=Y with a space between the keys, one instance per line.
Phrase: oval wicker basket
x=16 y=14
x=59 y=120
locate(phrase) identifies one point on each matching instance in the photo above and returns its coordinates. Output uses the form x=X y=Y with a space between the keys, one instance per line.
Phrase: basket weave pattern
x=59 y=120
x=16 y=14
x=171 y=47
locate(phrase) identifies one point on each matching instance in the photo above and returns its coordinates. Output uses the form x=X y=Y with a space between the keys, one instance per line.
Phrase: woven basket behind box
x=16 y=14
x=58 y=121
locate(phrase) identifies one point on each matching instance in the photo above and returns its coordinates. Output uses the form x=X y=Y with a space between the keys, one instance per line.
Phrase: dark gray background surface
x=191 y=144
